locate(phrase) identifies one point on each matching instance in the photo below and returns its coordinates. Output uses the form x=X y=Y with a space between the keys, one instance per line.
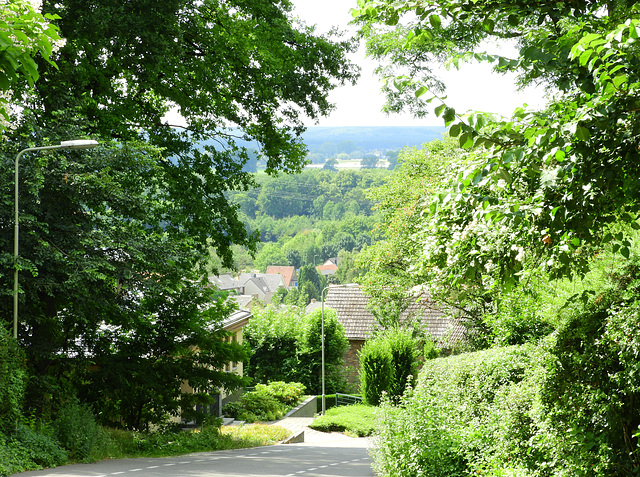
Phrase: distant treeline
x=331 y=141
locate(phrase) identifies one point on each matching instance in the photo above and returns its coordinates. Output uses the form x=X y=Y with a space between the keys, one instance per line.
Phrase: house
x=329 y=267
x=249 y=287
x=351 y=306
x=226 y=282
x=234 y=324
x=262 y=286
x=289 y=275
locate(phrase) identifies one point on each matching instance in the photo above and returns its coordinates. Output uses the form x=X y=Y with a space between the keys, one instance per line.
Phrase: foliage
x=110 y=295
x=376 y=370
x=77 y=431
x=335 y=346
x=272 y=335
x=40 y=446
x=255 y=406
x=539 y=190
x=519 y=317
x=357 y=420
x=431 y=351
x=289 y=394
x=286 y=346
x=12 y=377
x=592 y=387
x=466 y=413
x=388 y=364
x=24 y=35
x=404 y=356
x=309 y=276
x=389 y=261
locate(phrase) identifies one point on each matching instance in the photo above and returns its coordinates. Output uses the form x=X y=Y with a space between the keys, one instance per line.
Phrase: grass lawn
x=357 y=420
x=130 y=444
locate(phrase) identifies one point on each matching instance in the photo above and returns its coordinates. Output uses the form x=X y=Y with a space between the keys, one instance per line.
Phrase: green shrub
x=255 y=406
x=286 y=346
x=404 y=356
x=388 y=364
x=40 y=446
x=376 y=370
x=12 y=377
x=77 y=431
x=431 y=351
x=289 y=394
x=14 y=458
x=466 y=414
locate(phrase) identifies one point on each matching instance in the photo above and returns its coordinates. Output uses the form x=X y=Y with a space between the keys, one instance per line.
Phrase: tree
x=111 y=307
x=336 y=345
x=24 y=35
x=294 y=258
x=310 y=281
x=399 y=201
x=541 y=189
x=370 y=161
x=285 y=346
x=270 y=254
x=330 y=165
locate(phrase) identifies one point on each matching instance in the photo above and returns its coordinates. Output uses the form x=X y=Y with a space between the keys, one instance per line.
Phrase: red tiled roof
x=287 y=273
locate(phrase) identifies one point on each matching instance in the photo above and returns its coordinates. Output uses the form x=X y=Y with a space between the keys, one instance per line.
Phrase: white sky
x=473 y=87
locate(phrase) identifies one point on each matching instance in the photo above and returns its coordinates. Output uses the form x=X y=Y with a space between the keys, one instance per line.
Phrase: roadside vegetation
x=355 y=420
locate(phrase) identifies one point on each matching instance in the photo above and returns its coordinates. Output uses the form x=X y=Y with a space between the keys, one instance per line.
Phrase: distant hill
x=365 y=139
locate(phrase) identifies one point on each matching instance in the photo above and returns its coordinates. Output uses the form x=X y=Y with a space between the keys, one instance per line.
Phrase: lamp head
x=79 y=144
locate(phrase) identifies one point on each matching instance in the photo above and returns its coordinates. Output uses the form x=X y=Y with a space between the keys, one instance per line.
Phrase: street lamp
x=322 y=296
x=75 y=144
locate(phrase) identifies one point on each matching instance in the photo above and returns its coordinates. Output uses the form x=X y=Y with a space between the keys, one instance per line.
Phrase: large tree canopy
x=111 y=238
x=541 y=189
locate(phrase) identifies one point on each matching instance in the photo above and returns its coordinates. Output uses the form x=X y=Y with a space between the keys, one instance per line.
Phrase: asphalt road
x=345 y=457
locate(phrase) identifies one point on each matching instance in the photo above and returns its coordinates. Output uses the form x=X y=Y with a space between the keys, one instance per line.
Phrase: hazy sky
x=473 y=87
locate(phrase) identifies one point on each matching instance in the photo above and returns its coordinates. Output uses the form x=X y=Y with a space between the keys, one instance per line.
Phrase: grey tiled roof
x=266 y=281
x=224 y=282
x=359 y=322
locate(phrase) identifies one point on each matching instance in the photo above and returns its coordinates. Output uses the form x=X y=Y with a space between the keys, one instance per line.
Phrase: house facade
x=359 y=323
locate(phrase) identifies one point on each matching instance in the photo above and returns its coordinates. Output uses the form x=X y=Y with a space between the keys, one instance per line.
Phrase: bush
x=78 y=432
x=469 y=414
x=286 y=346
x=255 y=406
x=289 y=394
x=376 y=370
x=404 y=356
x=40 y=446
x=388 y=363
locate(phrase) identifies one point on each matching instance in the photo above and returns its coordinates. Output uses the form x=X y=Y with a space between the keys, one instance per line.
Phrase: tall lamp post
x=322 y=297
x=75 y=144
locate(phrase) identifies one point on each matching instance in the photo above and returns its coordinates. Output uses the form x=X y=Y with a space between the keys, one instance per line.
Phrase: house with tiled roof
x=351 y=305
x=289 y=274
x=329 y=267
x=261 y=286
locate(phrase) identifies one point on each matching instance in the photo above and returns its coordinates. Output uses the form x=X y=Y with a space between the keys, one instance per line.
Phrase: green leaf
x=439 y=109
x=420 y=91
x=449 y=115
x=583 y=133
x=625 y=252
x=435 y=21
x=454 y=130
